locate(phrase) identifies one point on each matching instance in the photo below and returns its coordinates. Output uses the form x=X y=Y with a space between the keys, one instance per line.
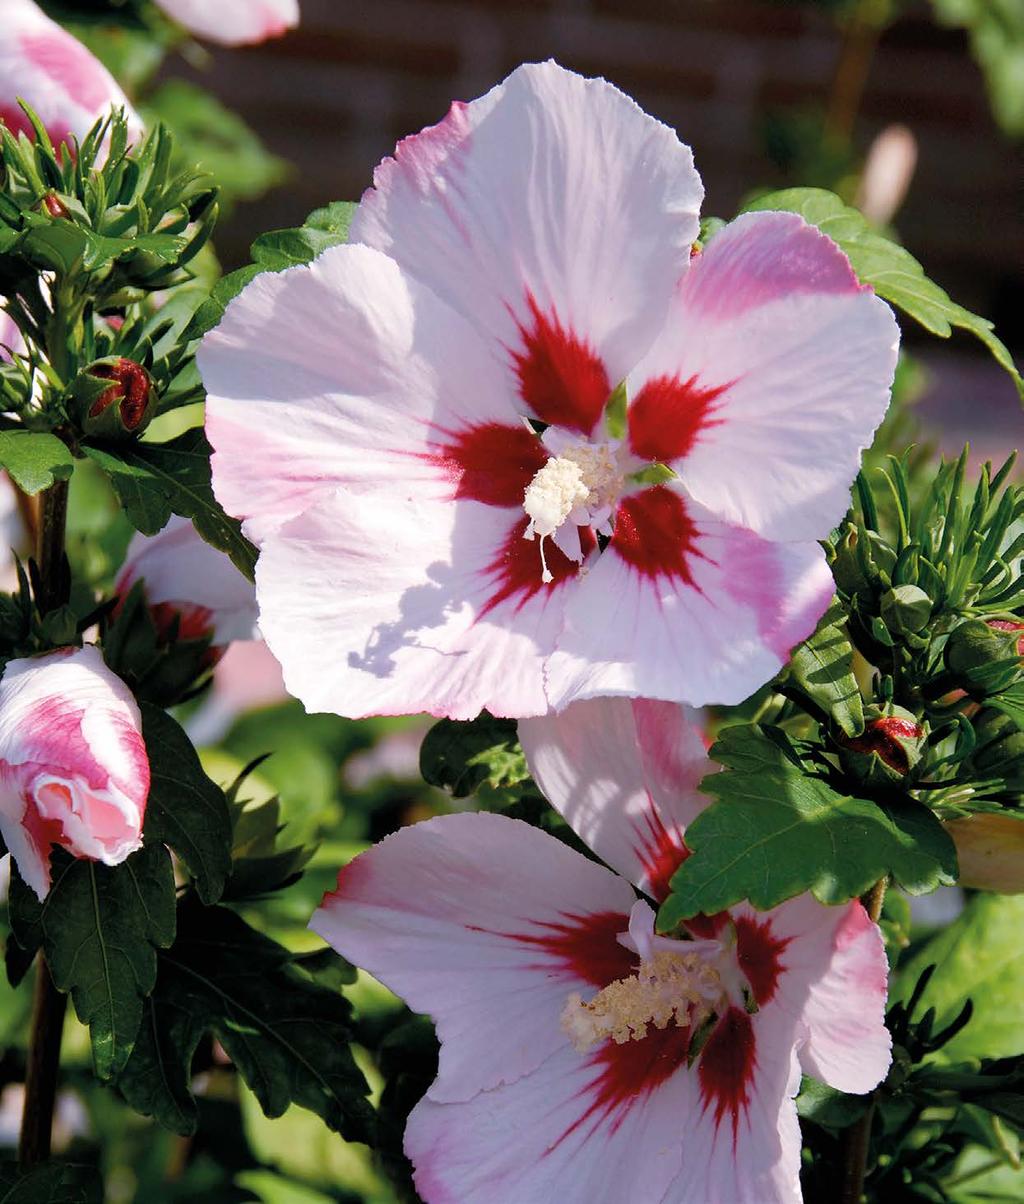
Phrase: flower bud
x=990 y=850
x=115 y=398
x=189 y=583
x=180 y=604
x=981 y=657
x=888 y=748
x=905 y=608
x=73 y=765
x=1009 y=625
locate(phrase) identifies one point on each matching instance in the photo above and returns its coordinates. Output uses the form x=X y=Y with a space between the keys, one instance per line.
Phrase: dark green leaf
x=35 y=459
x=775 y=830
x=51 y=1183
x=185 y=809
x=155 y=480
x=461 y=757
x=888 y=268
x=287 y=1036
x=98 y=926
x=828 y=1107
x=822 y=668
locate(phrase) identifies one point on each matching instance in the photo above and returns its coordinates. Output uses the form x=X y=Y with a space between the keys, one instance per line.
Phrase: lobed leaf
x=155 y=480
x=98 y=927
x=186 y=810
x=776 y=830
x=288 y=1037
x=462 y=757
x=50 y=1183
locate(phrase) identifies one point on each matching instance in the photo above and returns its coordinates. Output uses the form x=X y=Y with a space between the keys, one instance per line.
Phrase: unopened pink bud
x=73 y=765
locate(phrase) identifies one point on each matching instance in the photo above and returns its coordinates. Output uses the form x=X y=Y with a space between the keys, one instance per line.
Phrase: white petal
x=551 y=187
x=563 y=1133
x=397 y=610
x=488 y=925
x=706 y=626
x=345 y=371
x=835 y=982
x=624 y=773
x=772 y=312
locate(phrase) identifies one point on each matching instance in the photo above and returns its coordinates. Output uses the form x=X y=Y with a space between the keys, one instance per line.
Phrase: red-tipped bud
x=115 y=398
x=982 y=655
x=1009 y=625
x=54 y=206
x=888 y=748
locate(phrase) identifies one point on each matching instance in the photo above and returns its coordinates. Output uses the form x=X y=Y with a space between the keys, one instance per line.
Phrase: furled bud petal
x=190 y=584
x=234 y=22
x=42 y=64
x=990 y=850
x=73 y=765
x=889 y=747
x=115 y=398
x=981 y=657
x=905 y=608
x=1009 y=625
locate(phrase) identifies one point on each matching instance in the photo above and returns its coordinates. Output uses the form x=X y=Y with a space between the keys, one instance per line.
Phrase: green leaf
x=1010 y=702
x=978 y=957
x=155 y=480
x=996 y=28
x=185 y=809
x=775 y=830
x=288 y=1037
x=888 y=268
x=280 y=249
x=98 y=927
x=462 y=757
x=35 y=459
x=51 y=1183
x=822 y=668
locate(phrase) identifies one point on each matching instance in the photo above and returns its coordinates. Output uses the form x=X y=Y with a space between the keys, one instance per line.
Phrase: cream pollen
x=681 y=988
x=580 y=485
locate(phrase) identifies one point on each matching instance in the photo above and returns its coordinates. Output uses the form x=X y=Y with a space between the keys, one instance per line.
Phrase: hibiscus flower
x=234 y=22
x=583 y=1057
x=516 y=445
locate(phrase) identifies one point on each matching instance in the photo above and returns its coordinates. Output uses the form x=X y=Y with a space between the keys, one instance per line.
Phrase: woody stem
x=48 y=1003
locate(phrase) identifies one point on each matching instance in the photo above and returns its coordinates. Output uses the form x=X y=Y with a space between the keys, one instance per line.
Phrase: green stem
x=48 y=1004
x=858 y=1136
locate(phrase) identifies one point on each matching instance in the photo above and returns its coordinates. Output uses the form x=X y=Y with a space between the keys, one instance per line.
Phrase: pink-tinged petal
x=554 y=214
x=689 y=610
x=11 y=341
x=409 y=605
x=768 y=378
x=624 y=774
x=834 y=982
x=488 y=925
x=609 y=1125
x=742 y=1141
x=73 y=765
x=234 y=22
x=42 y=64
x=190 y=582
x=349 y=372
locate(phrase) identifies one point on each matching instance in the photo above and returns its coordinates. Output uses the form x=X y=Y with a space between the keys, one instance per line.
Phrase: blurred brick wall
x=335 y=95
